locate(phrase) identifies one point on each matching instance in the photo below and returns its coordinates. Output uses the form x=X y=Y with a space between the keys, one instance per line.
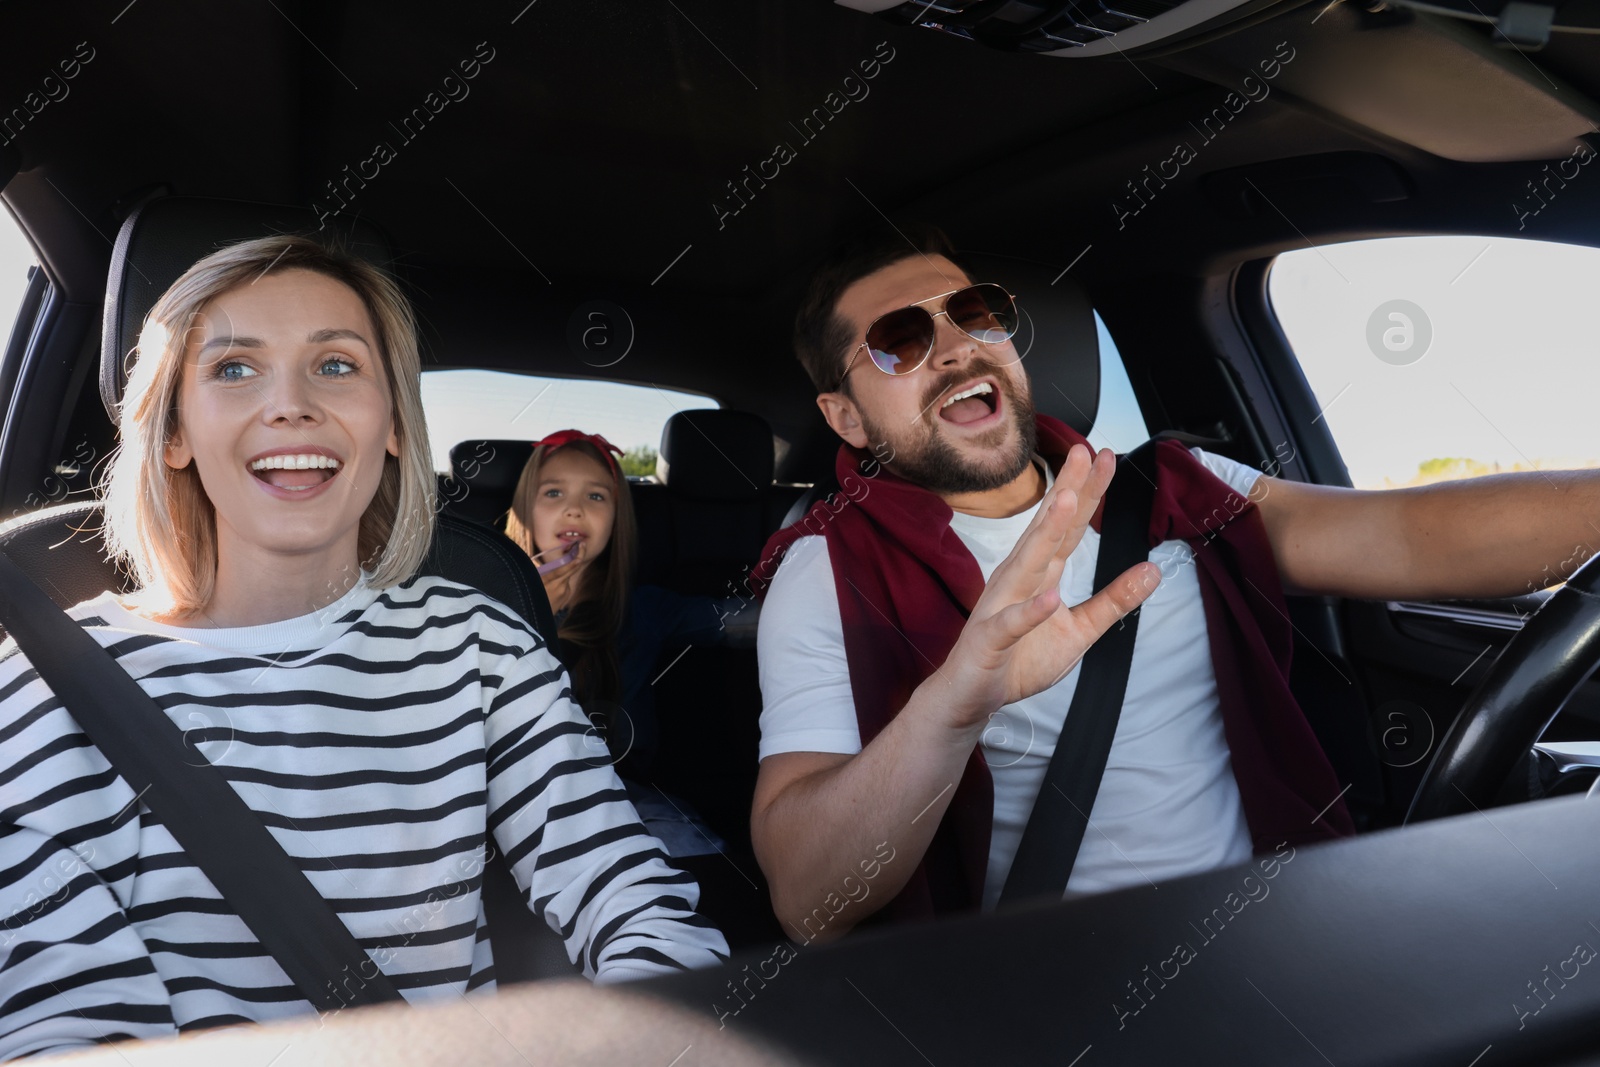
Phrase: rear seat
x=707 y=520
x=701 y=529
x=483 y=476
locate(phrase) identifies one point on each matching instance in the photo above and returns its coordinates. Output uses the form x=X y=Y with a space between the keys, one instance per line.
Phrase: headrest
x=1058 y=341
x=713 y=454
x=164 y=237
x=483 y=477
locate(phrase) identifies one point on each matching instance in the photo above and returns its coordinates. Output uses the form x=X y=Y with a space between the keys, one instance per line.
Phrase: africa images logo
x=855 y=90
x=1399 y=332
x=452 y=89
x=1211 y=126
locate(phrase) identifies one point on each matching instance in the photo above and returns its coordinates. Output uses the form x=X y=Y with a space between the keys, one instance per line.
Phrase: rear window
x=472 y=405
x=1118 y=423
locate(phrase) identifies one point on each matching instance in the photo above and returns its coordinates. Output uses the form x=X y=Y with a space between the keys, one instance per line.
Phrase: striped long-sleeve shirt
x=385 y=741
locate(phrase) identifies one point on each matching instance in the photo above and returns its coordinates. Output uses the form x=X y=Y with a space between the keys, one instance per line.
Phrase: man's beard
x=925 y=457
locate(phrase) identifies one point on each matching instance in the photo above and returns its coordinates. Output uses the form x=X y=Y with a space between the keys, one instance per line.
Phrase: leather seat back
x=166 y=236
x=700 y=531
x=1057 y=339
x=483 y=479
x=705 y=524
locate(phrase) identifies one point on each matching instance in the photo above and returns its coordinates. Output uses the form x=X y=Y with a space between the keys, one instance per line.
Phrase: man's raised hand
x=1020 y=638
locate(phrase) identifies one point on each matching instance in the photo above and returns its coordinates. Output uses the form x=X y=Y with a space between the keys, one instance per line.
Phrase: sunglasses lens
x=985 y=311
x=900 y=340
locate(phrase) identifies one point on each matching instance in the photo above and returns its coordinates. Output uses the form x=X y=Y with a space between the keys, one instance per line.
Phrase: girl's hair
x=161 y=522
x=600 y=604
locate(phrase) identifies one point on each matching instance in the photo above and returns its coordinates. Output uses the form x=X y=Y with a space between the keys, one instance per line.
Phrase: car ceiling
x=589 y=154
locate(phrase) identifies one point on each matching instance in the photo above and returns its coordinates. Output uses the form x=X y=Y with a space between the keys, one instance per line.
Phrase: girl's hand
x=569 y=556
x=1020 y=638
x=559 y=576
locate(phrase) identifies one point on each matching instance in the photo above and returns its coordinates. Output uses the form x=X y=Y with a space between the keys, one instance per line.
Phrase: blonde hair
x=161 y=522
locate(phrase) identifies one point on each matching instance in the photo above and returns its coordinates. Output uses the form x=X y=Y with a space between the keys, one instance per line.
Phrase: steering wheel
x=1540 y=669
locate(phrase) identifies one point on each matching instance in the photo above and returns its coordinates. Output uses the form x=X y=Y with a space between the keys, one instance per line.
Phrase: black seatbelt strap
x=223 y=837
x=1050 y=843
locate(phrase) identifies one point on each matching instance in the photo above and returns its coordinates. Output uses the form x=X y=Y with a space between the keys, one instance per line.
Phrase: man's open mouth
x=295 y=471
x=971 y=404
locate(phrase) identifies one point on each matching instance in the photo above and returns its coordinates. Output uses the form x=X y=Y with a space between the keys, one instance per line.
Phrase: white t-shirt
x=1168 y=804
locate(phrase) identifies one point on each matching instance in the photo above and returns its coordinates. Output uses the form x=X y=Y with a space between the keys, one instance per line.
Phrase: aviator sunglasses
x=900 y=341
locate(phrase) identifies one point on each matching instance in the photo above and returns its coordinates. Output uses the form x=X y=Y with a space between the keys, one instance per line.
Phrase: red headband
x=562 y=438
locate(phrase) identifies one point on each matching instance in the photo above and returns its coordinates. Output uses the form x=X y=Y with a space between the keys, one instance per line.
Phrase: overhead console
x=1072 y=28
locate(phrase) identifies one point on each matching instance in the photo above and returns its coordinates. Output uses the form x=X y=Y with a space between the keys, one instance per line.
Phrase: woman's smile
x=297 y=472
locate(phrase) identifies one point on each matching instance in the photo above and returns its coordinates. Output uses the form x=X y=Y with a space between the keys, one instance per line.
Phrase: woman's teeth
x=297 y=471
x=299 y=462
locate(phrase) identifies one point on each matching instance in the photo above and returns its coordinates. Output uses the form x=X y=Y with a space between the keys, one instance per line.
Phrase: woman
x=572 y=511
x=273 y=498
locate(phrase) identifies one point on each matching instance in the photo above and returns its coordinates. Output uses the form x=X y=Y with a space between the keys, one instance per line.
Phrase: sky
x=1118 y=425
x=1509 y=375
x=467 y=405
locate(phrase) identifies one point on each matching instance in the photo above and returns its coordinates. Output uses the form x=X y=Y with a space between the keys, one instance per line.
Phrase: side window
x=1436 y=358
x=16 y=257
x=1118 y=423
x=470 y=405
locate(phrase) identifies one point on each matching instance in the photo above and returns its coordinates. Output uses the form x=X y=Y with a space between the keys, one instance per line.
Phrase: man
x=918 y=652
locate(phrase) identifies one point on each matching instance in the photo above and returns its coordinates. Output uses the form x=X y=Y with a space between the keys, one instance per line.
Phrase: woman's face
x=284 y=409
x=574 y=501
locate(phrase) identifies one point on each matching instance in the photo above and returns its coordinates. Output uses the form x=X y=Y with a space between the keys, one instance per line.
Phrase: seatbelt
x=1054 y=834
x=217 y=830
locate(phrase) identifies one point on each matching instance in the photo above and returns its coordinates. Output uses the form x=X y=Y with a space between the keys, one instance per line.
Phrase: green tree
x=1451 y=467
x=639 y=461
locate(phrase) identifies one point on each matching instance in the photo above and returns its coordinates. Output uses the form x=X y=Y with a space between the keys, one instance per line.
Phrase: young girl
x=572 y=512
x=273 y=497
